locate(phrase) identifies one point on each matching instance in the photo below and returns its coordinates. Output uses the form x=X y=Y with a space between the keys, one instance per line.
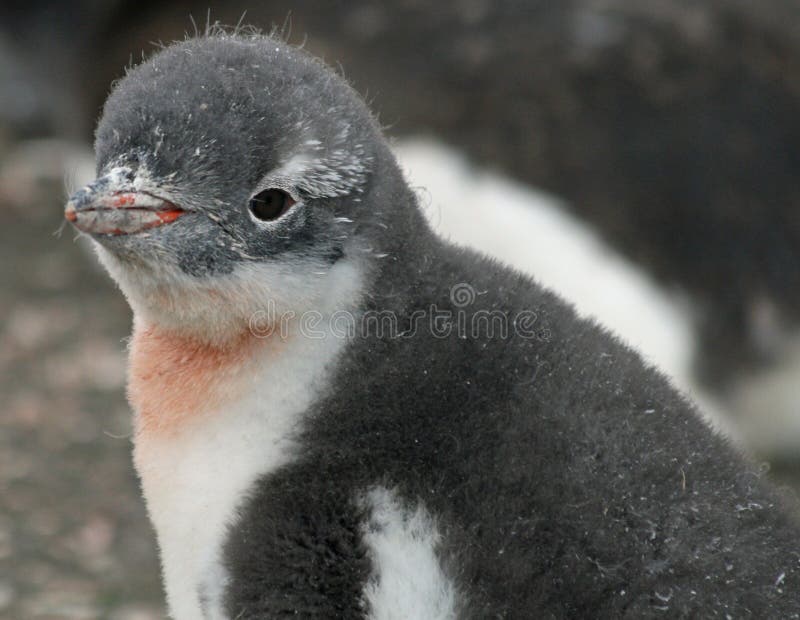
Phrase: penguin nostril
x=270 y=204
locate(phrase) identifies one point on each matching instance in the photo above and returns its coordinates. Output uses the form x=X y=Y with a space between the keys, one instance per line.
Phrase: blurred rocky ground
x=74 y=538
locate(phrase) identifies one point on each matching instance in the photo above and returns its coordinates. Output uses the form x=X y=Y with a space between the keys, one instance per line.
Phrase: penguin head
x=233 y=171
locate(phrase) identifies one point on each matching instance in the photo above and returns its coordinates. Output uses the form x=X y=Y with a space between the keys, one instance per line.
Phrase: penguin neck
x=180 y=372
x=175 y=378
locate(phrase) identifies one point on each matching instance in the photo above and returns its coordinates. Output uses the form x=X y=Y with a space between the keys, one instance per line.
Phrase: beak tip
x=69 y=213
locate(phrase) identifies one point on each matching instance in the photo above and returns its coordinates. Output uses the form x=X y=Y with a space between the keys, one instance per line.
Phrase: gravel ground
x=74 y=538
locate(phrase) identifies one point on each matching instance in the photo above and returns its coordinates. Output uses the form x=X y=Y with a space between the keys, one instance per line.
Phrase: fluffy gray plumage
x=568 y=478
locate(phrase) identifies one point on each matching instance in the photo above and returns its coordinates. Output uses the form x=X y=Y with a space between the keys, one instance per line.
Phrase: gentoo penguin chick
x=339 y=415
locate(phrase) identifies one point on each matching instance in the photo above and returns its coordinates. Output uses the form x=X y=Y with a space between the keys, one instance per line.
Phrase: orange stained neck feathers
x=174 y=379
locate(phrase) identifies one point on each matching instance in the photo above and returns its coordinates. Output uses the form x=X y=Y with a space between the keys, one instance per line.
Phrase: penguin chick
x=339 y=415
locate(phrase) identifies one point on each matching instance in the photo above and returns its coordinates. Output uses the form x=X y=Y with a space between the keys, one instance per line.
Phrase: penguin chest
x=194 y=481
x=197 y=463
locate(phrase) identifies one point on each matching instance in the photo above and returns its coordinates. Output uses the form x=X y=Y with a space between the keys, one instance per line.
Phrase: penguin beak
x=108 y=207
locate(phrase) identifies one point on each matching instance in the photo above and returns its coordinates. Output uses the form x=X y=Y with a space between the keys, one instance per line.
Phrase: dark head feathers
x=210 y=122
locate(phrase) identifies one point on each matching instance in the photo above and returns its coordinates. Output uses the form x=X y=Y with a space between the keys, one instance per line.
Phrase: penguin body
x=340 y=415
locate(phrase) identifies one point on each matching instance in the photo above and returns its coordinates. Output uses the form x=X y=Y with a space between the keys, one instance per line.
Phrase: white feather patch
x=407 y=580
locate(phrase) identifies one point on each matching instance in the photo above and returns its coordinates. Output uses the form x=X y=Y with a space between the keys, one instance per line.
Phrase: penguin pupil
x=270 y=204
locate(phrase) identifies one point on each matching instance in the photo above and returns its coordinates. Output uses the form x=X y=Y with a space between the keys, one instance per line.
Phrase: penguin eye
x=270 y=204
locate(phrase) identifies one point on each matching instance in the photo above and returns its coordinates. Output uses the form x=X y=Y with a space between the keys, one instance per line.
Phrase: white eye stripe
x=327 y=173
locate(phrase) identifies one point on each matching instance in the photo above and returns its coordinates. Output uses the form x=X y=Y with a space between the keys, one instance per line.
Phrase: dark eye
x=270 y=204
